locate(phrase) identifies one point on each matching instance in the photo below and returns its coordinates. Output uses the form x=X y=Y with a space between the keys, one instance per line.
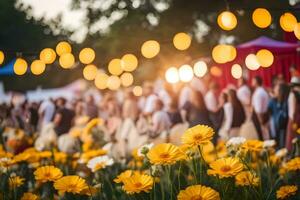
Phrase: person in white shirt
x=46 y=112
x=160 y=119
x=184 y=96
x=211 y=98
x=243 y=92
x=150 y=99
x=260 y=101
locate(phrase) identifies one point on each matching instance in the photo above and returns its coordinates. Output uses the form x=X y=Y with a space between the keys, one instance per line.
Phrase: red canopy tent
x=285 y=56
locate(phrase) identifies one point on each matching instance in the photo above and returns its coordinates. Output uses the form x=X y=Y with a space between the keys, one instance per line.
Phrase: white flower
x=269 y=143
x=235 y=142
x=99 y=162
x=144 y=149
x=281 y=152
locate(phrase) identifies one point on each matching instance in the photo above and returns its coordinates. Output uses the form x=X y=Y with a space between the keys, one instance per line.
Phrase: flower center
x=197 y=137
x=138 y=184
x=196 y=198
x=225 y=168
x=164 y=155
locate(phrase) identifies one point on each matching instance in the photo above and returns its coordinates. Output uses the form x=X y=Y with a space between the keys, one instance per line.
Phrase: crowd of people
x=248 y=110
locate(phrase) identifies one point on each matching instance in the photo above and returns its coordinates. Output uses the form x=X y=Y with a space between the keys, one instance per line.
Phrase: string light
x=288 y=22
x=87 y=55
x=227 y=20
x=261 y=18
x=252 y=62
x=113 y=82
x=182 y=41
x=200 y=68
x=48 y=55
x=297 y=31
x=90 y=72
x=101 y=80
x=37 y=67
x=63 y=48
x=130 y=62
x=115 y=67
x=216 y=71
x=67 y=60
x=150 y=49
x=137 y=91
x=126 y=79
x=186 y=73
x=172 y=75
x=236 y=71
x=265 y=58
x=223 y=53
x=20 y=66
x=2 y=57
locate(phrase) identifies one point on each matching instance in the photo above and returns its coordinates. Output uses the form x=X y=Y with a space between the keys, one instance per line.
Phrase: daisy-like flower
x=60 y=157
x=235 y=142
x=16 y=181
x=281 y=152
x=269 y=143
x=47 y=174
x=253 y=145
x=138 y=183
x=29 y=196
x=197 y=135
x=70 y=184
x=165 y=154
x=225 y=167
x=144 y=149
x=285 y=191
x=86 y=156
x=198 y=192
x=293 y=164
x=99 y=162
x=246 y=178
x=123 y=176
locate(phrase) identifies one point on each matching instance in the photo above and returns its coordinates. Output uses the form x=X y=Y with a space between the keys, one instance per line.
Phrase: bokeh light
x=227 y=20
x=20 y=66
x=265 y=57
x=48 y=55
x=172 y=75
x=288 y=22
x=150 y=49
x=2 y=57
x=90 y=72
x=236 y=71
x=67 y=60
x=115 y=67
x=261 y=17
x=37 y=67
x=130 y=62
x=251 y=62
x=297 y=31
x=182 y=41
x=126 y=79
x=113 y=83
x=137 y=91
x=101 y=80
x=216 y=71
x=63 y=48
x=87 y=55
x=200 y=68
x=223 y=53
x=186 y=73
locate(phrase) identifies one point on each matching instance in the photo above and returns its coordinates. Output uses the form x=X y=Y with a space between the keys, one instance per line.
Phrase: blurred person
x=260 y=100
x=32 y=117
x=278 y=110
x=46 y=112
x=243 y=92
x=114 y=120
x=90 y=108
x=63 y=118
x=149 y=99
x=195 y=112
x=174 y=113
x=184 y=95
x=160 y=120
x=130 y=108
x=293 y=111
x=234 y=115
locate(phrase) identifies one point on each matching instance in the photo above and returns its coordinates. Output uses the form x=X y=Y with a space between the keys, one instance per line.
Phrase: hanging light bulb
x=172 y=75
x=150 y=49
x=288 y=22
x=101 y=80
x=63 y=48
x=265 y=57
x=227 y=20
x=223 y=53
x=130 y=62
x=90 y=72
x=20 y=66
x=113 y=82
x=67 y=60
x=137 y=91
x=261 y=17
x=115 y=67
x=186 y=73
x=126 y=79
x=236 y=71
x=2 y=56
x=87 y=56
x=252 y=62
x=48 y=55
x=200 y=68
x=297 y=31
x=37 y=67
x=216 y=71
x=182 y=41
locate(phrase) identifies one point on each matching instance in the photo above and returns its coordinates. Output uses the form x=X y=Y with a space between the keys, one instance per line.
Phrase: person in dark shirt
x=174 y=114
x=63 y=119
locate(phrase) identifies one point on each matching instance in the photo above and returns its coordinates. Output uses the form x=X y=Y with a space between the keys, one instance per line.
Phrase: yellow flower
x=138 y=183
x=29 y=196
x=200 y=192
x=225 y=167
x=197 y=135
x=293 y=164
x=99 y=162
x=165 y=154
x=75 y=132
x=123 y=176
x=47 y=173
x=253 y=145
x=60 y=157
x=94 y=122
x=16 y=181
x=70 y=184
x=86 y=156
x=246 y=178
x=286 y=191
x=45 y=154
x=22 y=157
